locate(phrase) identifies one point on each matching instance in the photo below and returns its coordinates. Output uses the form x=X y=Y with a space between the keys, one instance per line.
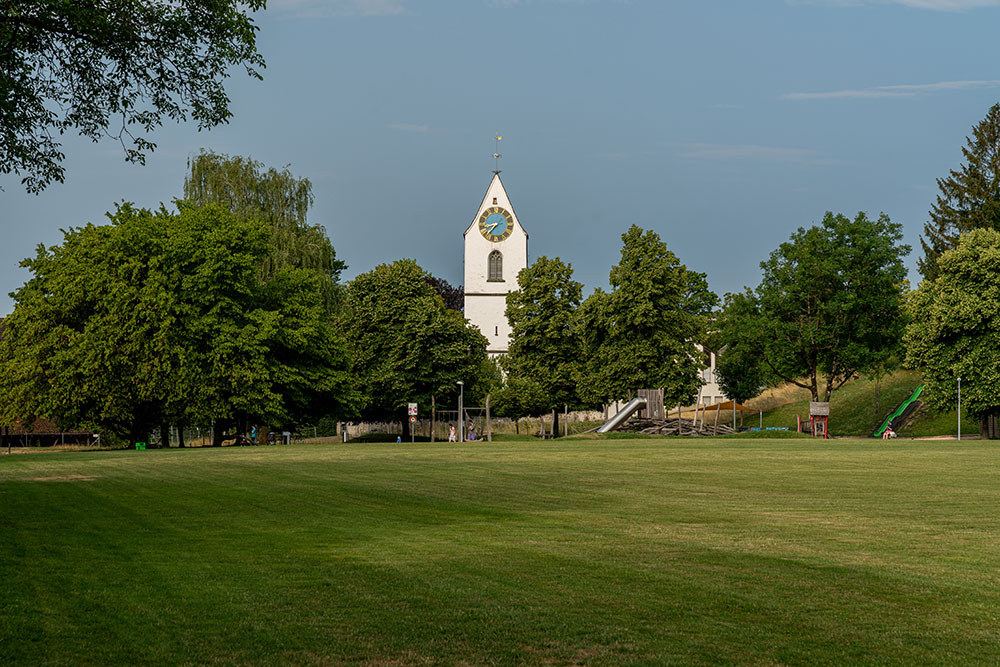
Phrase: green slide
x=904 y=409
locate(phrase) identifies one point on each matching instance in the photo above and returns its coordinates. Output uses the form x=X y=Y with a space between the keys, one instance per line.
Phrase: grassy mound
x=859 y=407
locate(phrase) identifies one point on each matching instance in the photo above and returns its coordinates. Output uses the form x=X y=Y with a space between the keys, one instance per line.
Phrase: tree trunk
x=555 y=423
x=218 y=428
x=180 y=435
x=406 y=427
x=164 y=434
x=989 y=424
x=263 y=434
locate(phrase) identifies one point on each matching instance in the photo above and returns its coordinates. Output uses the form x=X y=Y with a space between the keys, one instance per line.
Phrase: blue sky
x=722 y=125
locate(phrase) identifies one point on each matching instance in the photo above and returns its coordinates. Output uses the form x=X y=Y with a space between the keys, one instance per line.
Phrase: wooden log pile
x=673 y=426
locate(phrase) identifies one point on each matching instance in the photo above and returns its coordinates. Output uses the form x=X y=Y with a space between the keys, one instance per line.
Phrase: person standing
x=452 y=436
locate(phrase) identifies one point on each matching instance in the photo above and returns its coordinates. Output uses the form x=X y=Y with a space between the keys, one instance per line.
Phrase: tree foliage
x=162 y=317
x=828 y=306
x=643 y=333
x=521 y=397
x=407 y=345
x=955 y=329
x=278 y=198
x=545 y=345
x=969 y=197
x=454 y=297
x=113 y=68
x=740 y=376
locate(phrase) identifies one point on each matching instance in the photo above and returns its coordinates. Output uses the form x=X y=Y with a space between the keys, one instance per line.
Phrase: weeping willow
x=246 y=188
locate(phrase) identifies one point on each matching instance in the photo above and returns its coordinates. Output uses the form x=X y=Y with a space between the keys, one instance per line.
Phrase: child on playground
x=452 y=437
x=888 y=432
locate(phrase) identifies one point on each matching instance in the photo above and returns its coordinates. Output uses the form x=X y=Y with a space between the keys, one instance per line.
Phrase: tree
x=828 y=306
x=969 y=197
x=454 y=297
x=643 y=334
x=111 y=69
x=162 y=317
x=545 y=347
x=406 y=345
x=278 y=198
x=740 y=369
x=520 y=397
x=740 y=376
x=281 y=201
x=954 y=329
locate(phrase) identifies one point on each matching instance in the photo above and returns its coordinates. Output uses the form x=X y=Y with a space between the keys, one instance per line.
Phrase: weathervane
x=496 y=154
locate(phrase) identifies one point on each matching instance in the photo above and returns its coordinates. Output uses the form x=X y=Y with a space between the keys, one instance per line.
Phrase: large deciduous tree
x=279 y=199
x=162 y=317
x=644 y=332
x=955 y=329
x=828 y=306
x=407 y=346
x=113 y=68
x=545 y=346
x=969 y=196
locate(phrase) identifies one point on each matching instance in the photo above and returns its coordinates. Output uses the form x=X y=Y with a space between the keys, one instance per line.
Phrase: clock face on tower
x=496 y=223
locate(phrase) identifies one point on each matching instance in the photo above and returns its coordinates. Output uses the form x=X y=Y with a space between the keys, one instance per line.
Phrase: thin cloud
x=902 y=90
x=752 y=152
x=409 y=127
x=333 y=8
x=933 y=5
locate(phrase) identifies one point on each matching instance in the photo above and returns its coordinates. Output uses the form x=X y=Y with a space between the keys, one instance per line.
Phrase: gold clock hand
x=492 y=227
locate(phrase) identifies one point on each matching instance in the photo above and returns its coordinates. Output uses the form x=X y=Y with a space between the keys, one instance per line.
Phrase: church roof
x=499 y=183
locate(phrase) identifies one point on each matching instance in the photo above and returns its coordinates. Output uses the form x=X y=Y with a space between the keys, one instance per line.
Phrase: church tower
x=496 y=249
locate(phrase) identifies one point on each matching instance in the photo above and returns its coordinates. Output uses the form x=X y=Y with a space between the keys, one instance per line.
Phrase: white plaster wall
x=487 y=313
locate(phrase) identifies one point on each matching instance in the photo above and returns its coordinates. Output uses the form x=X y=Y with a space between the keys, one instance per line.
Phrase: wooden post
x=718 y=409
x=433 y=416
x=565 y=420
x=552 y=431
x=489 y=428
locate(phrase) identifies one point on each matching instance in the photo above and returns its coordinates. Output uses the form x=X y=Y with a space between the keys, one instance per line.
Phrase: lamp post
x=959 y=407
x=461 y=399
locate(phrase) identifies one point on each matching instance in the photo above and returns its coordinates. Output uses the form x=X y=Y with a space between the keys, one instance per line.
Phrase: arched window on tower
x=496 y=267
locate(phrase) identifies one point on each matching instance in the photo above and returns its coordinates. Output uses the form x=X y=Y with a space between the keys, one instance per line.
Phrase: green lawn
x=597 y=551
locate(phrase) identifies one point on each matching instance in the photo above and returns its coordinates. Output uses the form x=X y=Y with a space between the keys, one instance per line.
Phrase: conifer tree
x=970 y=195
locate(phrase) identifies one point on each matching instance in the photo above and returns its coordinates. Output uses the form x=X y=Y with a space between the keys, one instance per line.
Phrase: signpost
x=411 y=409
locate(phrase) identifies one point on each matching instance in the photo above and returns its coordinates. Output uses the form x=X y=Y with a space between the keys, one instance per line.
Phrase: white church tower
x=496 y=249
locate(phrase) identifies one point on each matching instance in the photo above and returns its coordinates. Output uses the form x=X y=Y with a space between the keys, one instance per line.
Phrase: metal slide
x=900 y=414
x=623 y=414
